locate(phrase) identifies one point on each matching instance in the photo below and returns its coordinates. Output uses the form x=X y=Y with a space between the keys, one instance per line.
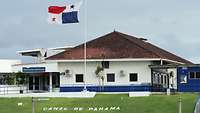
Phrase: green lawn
x=125 y=104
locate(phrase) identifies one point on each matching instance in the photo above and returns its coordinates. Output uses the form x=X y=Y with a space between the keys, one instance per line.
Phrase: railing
x=12 y=89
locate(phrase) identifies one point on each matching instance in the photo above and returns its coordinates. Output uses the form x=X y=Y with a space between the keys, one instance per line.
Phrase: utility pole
x=180 y=105
x=34 y=100
x=33 y=105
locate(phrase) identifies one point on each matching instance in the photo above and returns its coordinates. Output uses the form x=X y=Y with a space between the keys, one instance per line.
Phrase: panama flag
x=64 y=14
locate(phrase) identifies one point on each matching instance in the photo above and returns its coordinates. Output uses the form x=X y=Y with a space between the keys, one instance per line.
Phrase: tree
x=21 y=78
x=99 y=73
x=10 y=80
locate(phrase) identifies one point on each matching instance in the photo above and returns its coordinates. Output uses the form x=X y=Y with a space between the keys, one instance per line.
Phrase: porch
x=43 y=82
x=41 y=77
x=35 y=83
x=163 y=77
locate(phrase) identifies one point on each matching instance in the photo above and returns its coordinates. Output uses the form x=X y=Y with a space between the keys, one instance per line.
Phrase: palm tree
x=100 y=75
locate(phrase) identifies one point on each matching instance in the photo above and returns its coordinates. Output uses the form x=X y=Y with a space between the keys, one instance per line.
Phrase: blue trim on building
x=106 y=88
x=191 y=85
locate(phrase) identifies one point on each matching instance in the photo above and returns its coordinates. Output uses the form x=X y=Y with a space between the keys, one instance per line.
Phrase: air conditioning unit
x=62 y=73
x=68 y=72
x=122 y=73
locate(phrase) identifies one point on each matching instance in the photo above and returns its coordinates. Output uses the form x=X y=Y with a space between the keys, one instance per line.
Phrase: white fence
x=12 y=89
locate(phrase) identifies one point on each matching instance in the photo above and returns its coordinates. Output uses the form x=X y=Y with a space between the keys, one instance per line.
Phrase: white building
x=6 y=68
x=6 y=65
x=128 y=63
x=6 y=84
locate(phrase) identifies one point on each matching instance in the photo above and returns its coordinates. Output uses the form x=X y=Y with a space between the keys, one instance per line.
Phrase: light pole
x=180 y=105
x=34 y=100
x=33 y=105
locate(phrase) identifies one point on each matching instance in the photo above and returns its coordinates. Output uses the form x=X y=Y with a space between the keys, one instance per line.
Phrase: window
x=105 y=64
x=198 y=75
x=192 y=75
x=56 y=80
x=133 y=77
x=161 y=79
x=79 y=77
x=111 y=77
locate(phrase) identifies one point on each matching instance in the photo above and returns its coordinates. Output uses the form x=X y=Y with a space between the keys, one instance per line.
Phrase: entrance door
x=44 y=80
x=56 y=80
x=31 y=83
x=37 y=83
x=41 y=81
x=34 y=83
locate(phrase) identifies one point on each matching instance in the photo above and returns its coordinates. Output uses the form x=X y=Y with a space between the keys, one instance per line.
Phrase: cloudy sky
x=170 y=24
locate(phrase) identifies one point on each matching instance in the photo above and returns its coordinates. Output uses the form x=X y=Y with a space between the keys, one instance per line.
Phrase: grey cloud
x=173 y=24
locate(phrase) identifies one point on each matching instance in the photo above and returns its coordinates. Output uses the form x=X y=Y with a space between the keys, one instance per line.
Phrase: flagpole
x=85 y=46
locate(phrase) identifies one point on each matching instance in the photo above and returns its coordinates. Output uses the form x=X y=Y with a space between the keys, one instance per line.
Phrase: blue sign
x=33 y=69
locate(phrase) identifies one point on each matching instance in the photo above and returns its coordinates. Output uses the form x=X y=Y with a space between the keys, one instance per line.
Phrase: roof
x=33 y=52
x=61 y=48
x=43 y=51
x=117 y=45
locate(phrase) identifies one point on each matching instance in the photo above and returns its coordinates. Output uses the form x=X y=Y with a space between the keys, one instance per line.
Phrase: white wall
x=6 y=65
x=144 y=72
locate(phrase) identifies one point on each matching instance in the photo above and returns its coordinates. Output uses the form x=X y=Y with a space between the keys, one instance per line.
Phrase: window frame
x=105 y=64
x=109 y=74
x=77 y=78
x=133 y=74
x=194 y=75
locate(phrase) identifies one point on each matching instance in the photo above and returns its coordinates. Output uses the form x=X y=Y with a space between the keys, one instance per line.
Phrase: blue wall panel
x=192 y=85
x=106 y=88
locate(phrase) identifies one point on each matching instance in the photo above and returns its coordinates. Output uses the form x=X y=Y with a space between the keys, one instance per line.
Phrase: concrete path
x=56 y=95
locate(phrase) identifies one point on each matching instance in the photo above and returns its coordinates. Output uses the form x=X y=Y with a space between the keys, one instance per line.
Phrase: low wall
x=139 y=94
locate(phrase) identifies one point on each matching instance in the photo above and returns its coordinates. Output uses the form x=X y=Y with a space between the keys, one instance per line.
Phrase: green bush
x=10 y=80
x=21 y=78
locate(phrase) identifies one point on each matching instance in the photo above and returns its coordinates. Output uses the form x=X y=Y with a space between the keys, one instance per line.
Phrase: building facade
x=127 y=64
x=7 y=82
x=189 y=78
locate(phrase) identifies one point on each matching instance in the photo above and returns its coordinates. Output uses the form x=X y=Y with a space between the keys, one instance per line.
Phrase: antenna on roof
x=143 y=39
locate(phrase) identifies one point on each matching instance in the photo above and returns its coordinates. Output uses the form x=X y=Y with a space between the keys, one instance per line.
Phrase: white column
x=33 y=82
x=50 y=82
